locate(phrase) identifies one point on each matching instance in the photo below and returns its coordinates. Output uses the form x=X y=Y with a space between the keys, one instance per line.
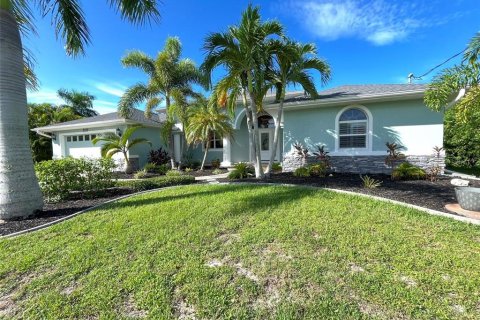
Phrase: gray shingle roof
x=136 y=115
x=355 y=91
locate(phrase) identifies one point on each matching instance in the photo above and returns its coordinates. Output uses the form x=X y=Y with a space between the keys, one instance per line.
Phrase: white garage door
x=78 y=146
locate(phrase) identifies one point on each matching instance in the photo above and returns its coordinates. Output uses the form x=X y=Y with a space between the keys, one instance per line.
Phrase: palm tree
x=204 y=123
x=293 y=59
x=19 y=191
x=80 y=102
x=169 y=77
x=243 y=51
x=114 y=144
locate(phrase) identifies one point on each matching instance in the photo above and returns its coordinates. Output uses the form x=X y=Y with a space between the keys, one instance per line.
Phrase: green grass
x=245 y=251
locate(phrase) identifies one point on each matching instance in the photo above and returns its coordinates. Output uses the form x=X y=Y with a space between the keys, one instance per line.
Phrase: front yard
x=244 y=251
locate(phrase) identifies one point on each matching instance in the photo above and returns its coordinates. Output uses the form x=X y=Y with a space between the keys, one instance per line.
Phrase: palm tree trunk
x=20 y=194
x=204 y=157
x=276 y=134
x=128 y=164
x=248 y=115
x=170 y=144
x=258 y=160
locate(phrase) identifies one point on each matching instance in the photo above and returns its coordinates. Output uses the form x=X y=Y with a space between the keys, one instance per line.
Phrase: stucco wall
x=408 y=123
x=142 y=150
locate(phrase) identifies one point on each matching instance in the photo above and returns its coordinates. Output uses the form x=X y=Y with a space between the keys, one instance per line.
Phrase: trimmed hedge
x=154 y=183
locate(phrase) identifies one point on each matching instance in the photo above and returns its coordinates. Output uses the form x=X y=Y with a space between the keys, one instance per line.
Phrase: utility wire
x=412 y=76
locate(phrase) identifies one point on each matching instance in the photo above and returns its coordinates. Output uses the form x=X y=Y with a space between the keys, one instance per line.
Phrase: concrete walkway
x=212 y=179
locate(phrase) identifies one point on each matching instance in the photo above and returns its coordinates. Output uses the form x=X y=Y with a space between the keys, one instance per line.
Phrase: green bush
x=370 y=183
x=57 y=178
x=140 y=174
x=301 y=172
x=407 y=171
x=241 y=170
x=318 y=169
x=155 y=168
x=173 y=173
x=216 y=163
x=276 y=167
x=154 y=183
x=217 y=171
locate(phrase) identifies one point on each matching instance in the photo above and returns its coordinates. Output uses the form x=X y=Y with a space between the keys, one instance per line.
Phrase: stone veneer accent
x=363 y=164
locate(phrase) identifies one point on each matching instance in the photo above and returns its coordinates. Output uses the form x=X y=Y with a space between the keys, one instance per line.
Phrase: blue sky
x=379 y=41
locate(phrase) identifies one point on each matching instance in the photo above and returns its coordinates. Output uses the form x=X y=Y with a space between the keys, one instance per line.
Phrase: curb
x=51 y=223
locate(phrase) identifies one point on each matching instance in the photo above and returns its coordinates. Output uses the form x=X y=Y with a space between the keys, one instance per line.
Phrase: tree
x=113 y=144
x=80 y=102
x=243 y=50
x=293 y=59
x=19 y=191
x=40 y=115
x=205 y=122
x=169 y=77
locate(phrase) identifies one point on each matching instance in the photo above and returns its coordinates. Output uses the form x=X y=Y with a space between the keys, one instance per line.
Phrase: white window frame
x=215 y=144
x=369 y=134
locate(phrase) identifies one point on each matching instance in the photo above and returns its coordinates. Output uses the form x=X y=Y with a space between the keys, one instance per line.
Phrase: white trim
x=62 y=137
x=238 y=119
x=89 y=125
x=354 y=151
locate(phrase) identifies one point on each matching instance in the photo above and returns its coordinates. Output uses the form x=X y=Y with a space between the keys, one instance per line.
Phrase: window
x=87 y=137
x=69 y=139
x=352 y=126
x=74 y=138
x=80 y=138
x=215 y=142
x=93 y=136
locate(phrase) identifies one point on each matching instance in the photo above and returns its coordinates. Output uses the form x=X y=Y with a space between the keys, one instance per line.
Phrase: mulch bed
x=55 y=211
x=423 y=193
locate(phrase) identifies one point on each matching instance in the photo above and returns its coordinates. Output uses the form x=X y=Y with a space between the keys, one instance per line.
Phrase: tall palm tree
x=292 y=62
x=80 y=102
x=243 y=51
x=19 y=191
x=170 y=77
x=205 y=122
x=114 y=143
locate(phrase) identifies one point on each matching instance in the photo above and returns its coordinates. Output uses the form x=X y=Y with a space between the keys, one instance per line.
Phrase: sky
x=365 y=42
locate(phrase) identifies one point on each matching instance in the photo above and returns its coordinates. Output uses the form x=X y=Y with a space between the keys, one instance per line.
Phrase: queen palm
x=19 y=191
x=169 y=77
x=292 y=62
x=114 y=143
x=204 y=123
x=243 y=51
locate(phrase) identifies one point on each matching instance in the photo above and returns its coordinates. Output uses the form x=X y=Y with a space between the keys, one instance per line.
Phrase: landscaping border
x=408 y=205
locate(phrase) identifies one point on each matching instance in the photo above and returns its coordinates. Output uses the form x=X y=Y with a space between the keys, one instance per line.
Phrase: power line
x=412 y=76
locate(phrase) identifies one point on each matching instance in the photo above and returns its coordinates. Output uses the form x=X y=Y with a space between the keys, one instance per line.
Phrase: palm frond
x=139 y=59
x=137 y=11
x=137 y=141
x=133 y=96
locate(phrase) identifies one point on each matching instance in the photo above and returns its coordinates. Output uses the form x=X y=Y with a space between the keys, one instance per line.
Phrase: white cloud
x=379 y=22
x=44 y=96
x=103 y=106
x=113 y=89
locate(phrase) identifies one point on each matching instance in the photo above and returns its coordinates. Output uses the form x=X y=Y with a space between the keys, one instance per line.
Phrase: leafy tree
x=113 y=144
x=40 y=115
x=20 y=194
x=243 y=51
x=170 y=78
x=80 y=102
x=204 y=123
x=293 y=60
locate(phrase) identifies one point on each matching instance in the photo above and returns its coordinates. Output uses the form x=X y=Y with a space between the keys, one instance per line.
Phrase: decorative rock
x=460 y=182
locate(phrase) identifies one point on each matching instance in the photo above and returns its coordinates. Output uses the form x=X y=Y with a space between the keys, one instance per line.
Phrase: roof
x=136 y=117
x=354 y=92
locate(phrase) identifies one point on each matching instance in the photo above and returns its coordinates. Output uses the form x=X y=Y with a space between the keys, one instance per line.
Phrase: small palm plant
x=204 y=123
x=114 y=143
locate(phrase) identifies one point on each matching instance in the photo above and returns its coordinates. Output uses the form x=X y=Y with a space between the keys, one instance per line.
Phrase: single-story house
x=353 y=122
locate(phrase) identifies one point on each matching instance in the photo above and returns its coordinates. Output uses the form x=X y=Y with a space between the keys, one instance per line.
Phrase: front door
x=266 y=142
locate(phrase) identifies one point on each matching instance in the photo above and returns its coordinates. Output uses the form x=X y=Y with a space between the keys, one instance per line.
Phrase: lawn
x=244 y=251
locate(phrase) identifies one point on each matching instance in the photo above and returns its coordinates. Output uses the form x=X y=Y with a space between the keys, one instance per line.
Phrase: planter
x=468 y=198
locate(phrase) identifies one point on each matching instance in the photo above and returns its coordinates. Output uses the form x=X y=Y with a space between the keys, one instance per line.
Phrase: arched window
x=353 y=128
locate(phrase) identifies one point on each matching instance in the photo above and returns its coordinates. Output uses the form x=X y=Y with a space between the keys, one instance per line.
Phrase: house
x=353 y=122
x=74 y=138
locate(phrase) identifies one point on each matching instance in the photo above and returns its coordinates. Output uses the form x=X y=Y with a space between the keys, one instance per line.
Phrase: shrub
x=217 y=171
x=322 y=156
x=190 y=162
x=241 y=170
x=393 y=154
x=158 y=157
x=188 y=169
x=301 y=151
x=155 y=168
x=318 y=169
x=57 y=178
x=140 y=174
x=173 y=173
x=157 y=182
x=370 y=183
x=407 y=171
x=433 y=172
x=301 y=172
x=216 y=163
x=276 y=167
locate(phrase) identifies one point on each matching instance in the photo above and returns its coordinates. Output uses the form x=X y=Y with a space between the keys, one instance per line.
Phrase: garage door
x=78 y=146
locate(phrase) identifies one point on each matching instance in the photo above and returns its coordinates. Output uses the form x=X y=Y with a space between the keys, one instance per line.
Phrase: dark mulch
x=427 y=194
x=55 y=211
